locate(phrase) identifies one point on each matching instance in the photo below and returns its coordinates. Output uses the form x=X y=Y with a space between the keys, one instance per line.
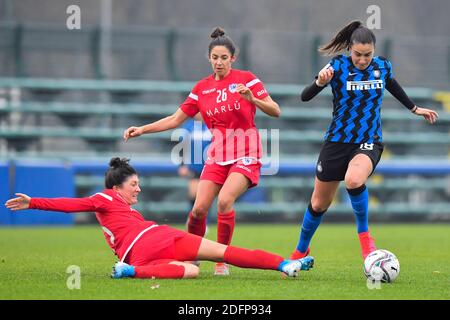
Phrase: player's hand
x=430 y=116
x=325 y=76
x=22 y=202
x=245 y=92
x=132 y=132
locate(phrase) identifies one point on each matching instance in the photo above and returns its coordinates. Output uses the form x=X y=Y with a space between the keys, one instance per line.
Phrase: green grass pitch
x=34 y=261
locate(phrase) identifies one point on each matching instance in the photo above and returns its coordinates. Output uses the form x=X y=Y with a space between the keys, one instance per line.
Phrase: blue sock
x=359 y=198
x=309 y=226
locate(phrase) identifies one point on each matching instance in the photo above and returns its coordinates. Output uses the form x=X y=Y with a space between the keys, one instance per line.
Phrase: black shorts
x=335 y=156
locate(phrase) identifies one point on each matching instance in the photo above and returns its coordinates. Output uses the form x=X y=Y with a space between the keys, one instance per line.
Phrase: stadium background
x=67 y=95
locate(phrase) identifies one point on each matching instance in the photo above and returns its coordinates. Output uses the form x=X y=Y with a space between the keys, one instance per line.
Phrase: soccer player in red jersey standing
x=227 y=101
x=146 y=249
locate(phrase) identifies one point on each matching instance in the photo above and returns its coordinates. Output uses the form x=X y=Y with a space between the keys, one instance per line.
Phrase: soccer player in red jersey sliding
x=227 y=100
x=146 y=249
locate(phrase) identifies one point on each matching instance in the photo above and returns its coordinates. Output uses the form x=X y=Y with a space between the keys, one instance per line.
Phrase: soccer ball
x=381 y=265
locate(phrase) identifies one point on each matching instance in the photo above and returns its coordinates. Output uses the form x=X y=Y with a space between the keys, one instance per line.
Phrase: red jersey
x=122 y=225
x=229 y=116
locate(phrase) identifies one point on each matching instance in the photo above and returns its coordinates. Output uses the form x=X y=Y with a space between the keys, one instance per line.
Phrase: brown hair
x=220 y=39
x=354 y=32
x=119 y=171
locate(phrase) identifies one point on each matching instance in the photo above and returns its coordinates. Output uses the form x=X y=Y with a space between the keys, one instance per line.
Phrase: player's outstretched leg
x=291 y=268
x=259 y=259
x=171 y=270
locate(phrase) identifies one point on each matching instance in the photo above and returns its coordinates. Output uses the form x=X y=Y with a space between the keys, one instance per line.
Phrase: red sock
x=255 y=259
x=160 y=271
x=225 y=227
x=196 y=226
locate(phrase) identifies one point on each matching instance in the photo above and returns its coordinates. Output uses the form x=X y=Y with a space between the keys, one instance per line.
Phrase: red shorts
x=218 y=174
x=164 y=244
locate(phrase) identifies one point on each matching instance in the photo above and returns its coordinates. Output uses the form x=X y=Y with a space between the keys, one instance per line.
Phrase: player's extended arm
x=23 y=202
x=397 y=91
x=167 y=123
x=311 y=91
x=325 y=75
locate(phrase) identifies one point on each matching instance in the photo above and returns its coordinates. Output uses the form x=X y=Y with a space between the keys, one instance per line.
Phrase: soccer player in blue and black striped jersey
x=353 y=141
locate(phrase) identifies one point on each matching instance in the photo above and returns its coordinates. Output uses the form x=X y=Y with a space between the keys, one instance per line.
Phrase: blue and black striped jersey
x=357 y=99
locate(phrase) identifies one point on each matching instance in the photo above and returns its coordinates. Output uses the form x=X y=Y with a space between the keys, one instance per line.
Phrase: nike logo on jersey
x=364 y=85
x=352 y=74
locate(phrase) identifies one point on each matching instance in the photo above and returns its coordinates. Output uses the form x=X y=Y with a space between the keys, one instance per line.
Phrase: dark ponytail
x=119 y=171
x=220 y=39
x=354 y=32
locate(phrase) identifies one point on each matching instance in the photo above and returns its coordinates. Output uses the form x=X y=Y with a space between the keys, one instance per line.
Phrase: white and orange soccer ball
x=381 y=265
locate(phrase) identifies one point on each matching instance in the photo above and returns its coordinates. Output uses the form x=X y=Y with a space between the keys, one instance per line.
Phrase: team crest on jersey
x=232 y=87
x=376 y=73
